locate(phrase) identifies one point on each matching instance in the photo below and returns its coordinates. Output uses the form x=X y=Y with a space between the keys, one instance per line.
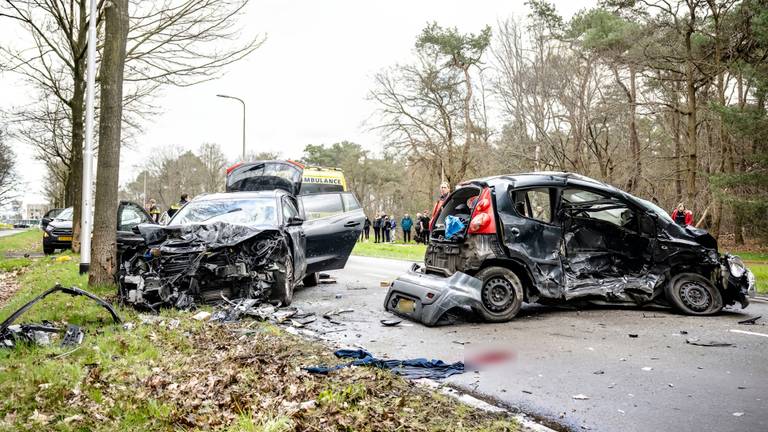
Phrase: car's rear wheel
x=311 y=280
x=282 y=290
x=693 y=294
x=502 y=294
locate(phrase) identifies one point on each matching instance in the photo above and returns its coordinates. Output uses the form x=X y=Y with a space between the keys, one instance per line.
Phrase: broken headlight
x=736 y=266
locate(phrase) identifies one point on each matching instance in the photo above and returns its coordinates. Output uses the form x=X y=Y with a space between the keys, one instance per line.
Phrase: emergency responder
x=154 y=210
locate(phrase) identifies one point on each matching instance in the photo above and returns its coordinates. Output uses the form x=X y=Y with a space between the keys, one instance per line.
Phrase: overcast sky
x=306 y=85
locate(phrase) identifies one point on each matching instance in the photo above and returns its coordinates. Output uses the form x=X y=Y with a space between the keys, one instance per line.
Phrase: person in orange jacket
x=682 y=216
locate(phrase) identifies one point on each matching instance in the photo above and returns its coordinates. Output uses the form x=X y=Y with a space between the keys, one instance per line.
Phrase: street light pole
x=86 y=216
x=242 y=102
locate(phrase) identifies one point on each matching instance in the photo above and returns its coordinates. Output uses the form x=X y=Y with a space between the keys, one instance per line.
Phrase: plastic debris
x=750 y=321
x=202 y=315
x=580 y=397
x=390 y=323
x=698 y=342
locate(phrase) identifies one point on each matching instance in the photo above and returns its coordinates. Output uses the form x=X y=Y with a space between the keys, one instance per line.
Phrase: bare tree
x=171 y=42
x=8 y=179
x=214 y=163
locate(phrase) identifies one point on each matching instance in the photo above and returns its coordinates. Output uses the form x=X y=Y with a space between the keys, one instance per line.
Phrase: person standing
x=424 y=227
x=154 y=211
x=385 y=227
x=406 y=223
x=393 y=229
x=377 y=228
x=176 y=207
x=444 y=191
x=418 y=227
x=366 y=229
x=682 y=216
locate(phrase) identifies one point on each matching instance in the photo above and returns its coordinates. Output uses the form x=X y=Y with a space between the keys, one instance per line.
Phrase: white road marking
x=749 y=333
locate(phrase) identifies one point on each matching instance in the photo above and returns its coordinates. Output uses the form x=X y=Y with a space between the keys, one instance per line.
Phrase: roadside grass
x=757 y=262
x=171 y=372
x=30 y=240
x=398 y=250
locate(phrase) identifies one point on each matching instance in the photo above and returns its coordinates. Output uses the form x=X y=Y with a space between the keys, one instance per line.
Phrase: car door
x=290 y=212
x=532 y=234
x=333 y=222
x=130 y=215
x=606 y=245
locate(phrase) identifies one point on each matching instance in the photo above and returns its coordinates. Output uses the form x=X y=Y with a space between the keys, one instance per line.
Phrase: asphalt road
x=655 y=381
x=4 y=233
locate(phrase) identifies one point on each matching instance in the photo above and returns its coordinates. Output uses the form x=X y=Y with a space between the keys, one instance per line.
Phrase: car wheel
x=502 y=294
x=693 y=294
x=311 y=280
x=48 y=250
x=283 y=287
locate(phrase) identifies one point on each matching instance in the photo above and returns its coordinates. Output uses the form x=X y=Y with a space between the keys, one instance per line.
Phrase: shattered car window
x=586 y=204
x=658 y=210
x=252 y=211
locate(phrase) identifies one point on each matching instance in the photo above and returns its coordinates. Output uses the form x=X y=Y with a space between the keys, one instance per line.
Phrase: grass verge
x=175 y=373
x=402 y=251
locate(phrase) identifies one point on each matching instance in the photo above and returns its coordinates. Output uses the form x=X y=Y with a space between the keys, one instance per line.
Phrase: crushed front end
x=426 y=298
x=181 y=266
x=738 y=281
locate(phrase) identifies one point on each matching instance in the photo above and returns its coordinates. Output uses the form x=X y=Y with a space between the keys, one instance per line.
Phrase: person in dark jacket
x=385 y=227
x=154 y=211
x=377 y=228
x=366 y=229
x=424 y=222
x=406 y=223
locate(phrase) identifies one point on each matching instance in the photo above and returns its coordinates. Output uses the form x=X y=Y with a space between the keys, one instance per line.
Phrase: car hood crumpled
x=214 y=235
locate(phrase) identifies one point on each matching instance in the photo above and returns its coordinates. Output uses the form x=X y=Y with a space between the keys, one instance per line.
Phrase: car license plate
x=406 y=306
x=65 y=238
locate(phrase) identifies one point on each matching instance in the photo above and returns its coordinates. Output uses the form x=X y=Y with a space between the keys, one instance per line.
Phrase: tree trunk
x=692 y=150
x=77 y=107
x=103 y=251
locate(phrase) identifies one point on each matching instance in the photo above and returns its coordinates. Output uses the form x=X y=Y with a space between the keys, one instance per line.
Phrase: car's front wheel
x=693 y=294
x=502 y=294
x=282 y=290
x=48 y=250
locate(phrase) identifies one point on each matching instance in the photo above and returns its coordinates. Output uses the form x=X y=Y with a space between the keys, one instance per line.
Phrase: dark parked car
x=239 y=245
x=57 y=233
x=557 y=237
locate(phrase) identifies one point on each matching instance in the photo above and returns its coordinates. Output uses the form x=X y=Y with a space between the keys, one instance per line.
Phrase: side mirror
x=45 y=222
x=295 y=221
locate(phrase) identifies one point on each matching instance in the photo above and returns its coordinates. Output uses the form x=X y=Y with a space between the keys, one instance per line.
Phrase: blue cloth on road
x=453 y=226
x=412 y=369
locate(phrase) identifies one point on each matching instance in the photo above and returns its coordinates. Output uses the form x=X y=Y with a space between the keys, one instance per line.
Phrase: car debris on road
x=412 y=369
x=39 y=333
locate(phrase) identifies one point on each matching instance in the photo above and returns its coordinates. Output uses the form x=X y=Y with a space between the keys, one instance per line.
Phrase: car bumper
x=426 y=298
x=57 y=242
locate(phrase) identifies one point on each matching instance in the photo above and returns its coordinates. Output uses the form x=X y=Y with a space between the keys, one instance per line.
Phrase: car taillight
x=483 y=221
x=229 y=170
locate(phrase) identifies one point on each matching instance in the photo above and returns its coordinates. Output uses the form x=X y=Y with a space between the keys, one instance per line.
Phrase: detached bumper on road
x=426 y=298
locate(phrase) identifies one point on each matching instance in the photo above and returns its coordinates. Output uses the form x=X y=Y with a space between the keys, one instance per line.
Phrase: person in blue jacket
x=406 y=224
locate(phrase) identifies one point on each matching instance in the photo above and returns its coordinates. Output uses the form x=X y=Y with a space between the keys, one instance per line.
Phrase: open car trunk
x=449 y=232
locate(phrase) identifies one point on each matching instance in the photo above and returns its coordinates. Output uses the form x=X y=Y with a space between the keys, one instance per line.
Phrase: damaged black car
x=239 y=245
x=561 y=237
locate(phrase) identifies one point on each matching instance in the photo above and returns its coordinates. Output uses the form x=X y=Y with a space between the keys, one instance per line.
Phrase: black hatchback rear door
x=264 y=175
x=333 y=224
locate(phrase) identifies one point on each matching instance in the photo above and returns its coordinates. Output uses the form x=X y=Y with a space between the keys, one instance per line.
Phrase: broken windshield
x=252 y=211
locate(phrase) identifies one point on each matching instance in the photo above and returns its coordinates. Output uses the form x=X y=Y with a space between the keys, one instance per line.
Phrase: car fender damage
x=72 y=335
x=179 y=266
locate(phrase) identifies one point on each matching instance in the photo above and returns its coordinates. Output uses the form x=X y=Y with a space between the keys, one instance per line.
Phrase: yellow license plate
x=406 y=306
x=65 y=238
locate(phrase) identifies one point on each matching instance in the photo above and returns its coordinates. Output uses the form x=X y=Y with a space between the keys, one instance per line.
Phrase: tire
x=282 y=291
x=693 y=294
x=48 y=250
x=502 y=294
x=311 y=280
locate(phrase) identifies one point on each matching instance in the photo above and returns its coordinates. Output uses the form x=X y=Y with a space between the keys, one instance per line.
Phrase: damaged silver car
x=560 y=237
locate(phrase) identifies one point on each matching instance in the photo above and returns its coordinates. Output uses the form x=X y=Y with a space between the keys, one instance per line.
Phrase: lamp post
x=242 y=102
x=86 y=218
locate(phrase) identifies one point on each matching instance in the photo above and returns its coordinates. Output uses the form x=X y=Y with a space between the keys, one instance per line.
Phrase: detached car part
x=11 y=334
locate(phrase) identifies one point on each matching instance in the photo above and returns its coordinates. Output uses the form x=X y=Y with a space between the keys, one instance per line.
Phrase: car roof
x=544 y=178
x=275 y=193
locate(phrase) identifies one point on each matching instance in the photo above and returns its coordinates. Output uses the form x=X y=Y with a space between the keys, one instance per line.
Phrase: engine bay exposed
x=201 y=264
